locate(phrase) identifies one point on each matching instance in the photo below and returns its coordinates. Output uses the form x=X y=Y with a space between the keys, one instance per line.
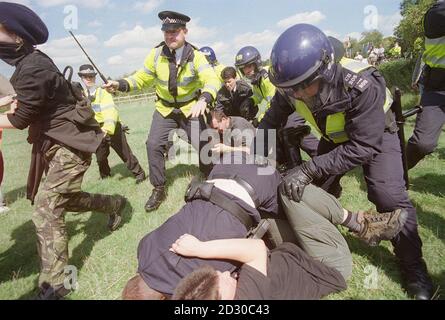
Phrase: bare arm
x=252 y=252
x=222 y=148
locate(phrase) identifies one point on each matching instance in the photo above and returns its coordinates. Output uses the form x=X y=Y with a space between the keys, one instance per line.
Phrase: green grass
x=106 y=261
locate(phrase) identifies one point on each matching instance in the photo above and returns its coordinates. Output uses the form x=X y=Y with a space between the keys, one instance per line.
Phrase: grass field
x=106 y=261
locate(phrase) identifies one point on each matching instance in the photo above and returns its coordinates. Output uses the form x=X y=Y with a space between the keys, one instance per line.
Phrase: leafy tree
x=410 y=30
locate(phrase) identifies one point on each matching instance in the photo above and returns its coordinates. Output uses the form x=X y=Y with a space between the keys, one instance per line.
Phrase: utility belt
x=207 y=191
x=176 y=105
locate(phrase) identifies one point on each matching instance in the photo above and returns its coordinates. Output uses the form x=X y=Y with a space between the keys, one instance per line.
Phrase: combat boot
x=47 y=292
x=380 y=226
x=114 y=208
x=141 y=177
x=417 y=281
x=158 y=195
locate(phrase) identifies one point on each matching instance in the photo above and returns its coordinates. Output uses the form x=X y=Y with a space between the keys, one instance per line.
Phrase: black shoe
x=46 y=292
x=115 y=218
x=417 y=281
x=140 y=177
x=158 y=195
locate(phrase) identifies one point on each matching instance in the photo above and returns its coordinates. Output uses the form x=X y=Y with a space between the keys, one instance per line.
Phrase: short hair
x=228 y=73
x=201 y=284
x=137 y=289
x=218 y=115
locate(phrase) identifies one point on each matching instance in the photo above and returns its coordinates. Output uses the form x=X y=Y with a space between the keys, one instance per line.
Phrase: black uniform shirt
x=434 y=24
x=365 y=124
x=162 y=270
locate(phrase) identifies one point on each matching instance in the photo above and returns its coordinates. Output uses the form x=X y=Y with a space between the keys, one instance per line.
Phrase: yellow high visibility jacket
x=105 y=111
x=263 y=91
x=218 y=70
x=335 y=123
x=195 y=77
x=434 y=54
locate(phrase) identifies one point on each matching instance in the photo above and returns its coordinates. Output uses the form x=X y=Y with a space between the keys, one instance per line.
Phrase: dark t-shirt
x=162 y=270
x=292 y=275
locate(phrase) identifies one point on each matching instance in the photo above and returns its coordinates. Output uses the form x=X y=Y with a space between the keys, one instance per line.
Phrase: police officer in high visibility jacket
x=211 y=58
x=248 y=61
x=185 y=85
x=350 y=106
x=107 y=116
x=430 y=122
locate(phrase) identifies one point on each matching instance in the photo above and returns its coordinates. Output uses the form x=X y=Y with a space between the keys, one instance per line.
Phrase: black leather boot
x=158 y=195
x=417 y=281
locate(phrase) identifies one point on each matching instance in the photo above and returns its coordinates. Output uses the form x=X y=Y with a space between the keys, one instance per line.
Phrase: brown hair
x=228 y=73
x=201 y=284
x=137 y=289
x=218 y=115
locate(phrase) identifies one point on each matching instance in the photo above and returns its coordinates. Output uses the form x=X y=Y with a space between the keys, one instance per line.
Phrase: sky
x=118 y=35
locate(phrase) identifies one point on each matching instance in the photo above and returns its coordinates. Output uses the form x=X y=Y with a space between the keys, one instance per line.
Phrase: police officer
x=350 y=107
x=107 y=116
x=430 y=122
x=64 y=135
x=185 y=85
x=248 y=61
x=211 y=58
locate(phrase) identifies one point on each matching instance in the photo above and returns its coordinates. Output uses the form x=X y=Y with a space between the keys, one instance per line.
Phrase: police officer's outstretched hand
x=111 y=86
x=199 y=109
x=295 y=182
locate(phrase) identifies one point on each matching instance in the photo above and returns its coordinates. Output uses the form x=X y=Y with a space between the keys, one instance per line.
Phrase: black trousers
x=386 y=189
x=119 y=143
x=426 y=135
x=158 y=140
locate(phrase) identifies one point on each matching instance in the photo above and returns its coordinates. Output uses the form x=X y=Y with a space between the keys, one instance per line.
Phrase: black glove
x=295 y=182
x=248 y=109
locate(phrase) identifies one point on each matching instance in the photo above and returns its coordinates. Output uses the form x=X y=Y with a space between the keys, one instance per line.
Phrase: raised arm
x=252 y=252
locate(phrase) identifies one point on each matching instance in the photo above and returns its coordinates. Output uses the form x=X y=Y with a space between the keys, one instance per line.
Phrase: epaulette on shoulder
x=354 y=80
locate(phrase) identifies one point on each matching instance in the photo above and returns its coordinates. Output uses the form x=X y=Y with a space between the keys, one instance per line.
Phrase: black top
x=162 y=270
x=291 y=275
x=434 y=21
x=44 y=98
x=364 y=115
x=231 y=101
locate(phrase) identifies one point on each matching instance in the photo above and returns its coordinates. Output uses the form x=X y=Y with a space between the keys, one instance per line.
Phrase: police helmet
x=246 y=56
x=209 y=53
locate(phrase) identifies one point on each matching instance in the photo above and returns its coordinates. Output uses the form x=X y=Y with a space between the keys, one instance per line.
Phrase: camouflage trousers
x=61 y=192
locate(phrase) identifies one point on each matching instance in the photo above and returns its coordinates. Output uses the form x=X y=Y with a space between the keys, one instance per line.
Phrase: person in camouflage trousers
x=64 y=135
x=60 y=192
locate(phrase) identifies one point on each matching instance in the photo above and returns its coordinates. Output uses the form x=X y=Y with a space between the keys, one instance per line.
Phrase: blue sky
x=119 y=34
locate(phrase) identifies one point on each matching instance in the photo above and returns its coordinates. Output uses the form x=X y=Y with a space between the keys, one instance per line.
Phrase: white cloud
x=198 y=34
x=95 y=24
x=147 y=6
x=353 y=35
x=65 y=51
x=137 y=36
x=387 y=24
x=115 y=60
x=313 y=17
x=331 y=33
